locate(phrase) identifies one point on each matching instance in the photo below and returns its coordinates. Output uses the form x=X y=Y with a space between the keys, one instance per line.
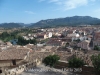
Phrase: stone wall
x=4 y=63
x=18 y=70
x=87 y=70
x=61 y=65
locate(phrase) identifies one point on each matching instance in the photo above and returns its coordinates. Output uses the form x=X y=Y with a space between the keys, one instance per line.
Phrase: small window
x=14 y=62
x=0 y=71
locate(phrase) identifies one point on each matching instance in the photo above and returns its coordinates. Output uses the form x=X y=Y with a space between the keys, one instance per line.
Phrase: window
x=0 y=71
x=14 y=62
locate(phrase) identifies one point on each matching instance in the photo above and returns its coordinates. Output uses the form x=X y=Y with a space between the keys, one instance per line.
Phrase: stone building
x=96 y=39
x=84 y=44
x=13 y=58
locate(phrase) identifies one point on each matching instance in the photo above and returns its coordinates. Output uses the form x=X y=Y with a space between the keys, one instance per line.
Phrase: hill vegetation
x=10 y=25
x=68 y=21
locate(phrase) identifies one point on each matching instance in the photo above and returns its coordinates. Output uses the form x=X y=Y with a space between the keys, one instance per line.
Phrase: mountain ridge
x=68 y=21
x=14 y=25
x=10 y=25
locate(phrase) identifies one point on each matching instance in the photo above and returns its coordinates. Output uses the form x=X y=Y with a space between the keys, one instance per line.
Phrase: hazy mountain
x=10 y=25
x=68 y=21
x=25 y=25
x=14 y=25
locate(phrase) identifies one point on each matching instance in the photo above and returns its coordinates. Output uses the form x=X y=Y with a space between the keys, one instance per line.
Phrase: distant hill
x=15 y=25
x=25 y=25
x=68 y=21
x=10 y=25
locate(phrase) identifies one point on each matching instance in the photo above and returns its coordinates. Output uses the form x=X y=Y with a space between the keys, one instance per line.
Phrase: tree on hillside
x=75 y=62
x=51 y=60
x=96 y=63
x=22 y=41
x=33 y=41
x=96 y=48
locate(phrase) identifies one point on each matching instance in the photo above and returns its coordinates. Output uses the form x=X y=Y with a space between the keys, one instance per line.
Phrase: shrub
x=51 y=60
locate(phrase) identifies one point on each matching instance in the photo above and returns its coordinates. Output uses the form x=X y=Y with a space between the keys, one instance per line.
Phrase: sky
x=32 y=11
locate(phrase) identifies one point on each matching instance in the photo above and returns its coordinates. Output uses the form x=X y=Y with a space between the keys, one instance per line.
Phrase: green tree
x=51 y=60
x=75 y=62
x=22 y=41
x=96 y=48
x=5 y=36
x=78 y=40
x=96 y=63
x=33 y=41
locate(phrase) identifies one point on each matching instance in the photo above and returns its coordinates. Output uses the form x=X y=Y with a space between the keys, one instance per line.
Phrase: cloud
x=55 y=1
x=29 y=12
x=69 y=4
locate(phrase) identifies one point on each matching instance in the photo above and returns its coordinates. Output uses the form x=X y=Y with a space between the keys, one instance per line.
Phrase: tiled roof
x=54 y=41
x=13 y=54
x=97 y=36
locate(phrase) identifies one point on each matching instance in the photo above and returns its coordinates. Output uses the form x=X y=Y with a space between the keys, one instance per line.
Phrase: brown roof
x=97 y=36
x=54 y=42
x=13 y=54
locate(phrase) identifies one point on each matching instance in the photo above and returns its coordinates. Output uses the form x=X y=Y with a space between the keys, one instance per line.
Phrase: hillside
x=68 y=21
x=10 y=25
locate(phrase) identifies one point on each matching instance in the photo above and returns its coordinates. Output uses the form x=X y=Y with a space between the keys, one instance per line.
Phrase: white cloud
x=29 y=12
x=58 y=2
x=69 y=4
